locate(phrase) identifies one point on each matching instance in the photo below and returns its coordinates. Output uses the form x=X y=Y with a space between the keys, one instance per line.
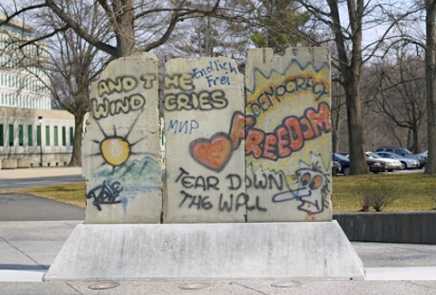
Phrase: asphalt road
x=33 y=182
x=22 y=207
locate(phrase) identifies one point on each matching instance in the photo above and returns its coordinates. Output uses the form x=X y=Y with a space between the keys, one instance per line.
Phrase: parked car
x=374 y=166
x=336 y=168
x=403 y=152
x=346 y=155
x=423 y=155
x=408 y=163
x=389 y=164
x=344 y=163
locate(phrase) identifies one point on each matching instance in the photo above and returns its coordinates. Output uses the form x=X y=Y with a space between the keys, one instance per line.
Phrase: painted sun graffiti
x=116 y=149
x=313 y=187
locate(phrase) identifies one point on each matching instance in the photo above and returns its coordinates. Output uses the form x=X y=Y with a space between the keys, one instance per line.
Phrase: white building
x=31 y=133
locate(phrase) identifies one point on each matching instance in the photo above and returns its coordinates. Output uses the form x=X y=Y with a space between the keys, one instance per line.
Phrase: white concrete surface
x=21 y=275
x=39 y=172
x=372 y=274
x=27 y=248
x=423 y=273
x=207 y=251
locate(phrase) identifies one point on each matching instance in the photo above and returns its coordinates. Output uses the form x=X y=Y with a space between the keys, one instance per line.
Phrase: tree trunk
x=76 y=157
x=413 y=140
x=430 y=80
x=336 y=121
x=124 y=27
x=335 y=141
x=355 y=128
x=351 y=73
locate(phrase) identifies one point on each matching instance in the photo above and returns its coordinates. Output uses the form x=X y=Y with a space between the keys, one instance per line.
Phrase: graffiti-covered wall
x=121 y=146
x=288 y=143
x=259 y=155
x=201 y=98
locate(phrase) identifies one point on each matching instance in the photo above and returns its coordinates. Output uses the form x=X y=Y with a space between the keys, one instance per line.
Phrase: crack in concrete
x=74 y=288
x=21 y=251
x=249 y=288
x=421 y=285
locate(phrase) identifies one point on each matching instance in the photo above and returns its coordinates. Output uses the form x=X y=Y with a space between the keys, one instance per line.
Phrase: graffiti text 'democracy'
x=275 y=94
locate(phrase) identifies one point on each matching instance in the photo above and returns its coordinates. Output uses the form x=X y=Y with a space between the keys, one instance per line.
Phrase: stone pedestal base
x=318 y=250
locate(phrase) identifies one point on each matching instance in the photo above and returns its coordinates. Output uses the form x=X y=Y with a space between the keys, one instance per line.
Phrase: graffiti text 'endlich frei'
x=237 y=148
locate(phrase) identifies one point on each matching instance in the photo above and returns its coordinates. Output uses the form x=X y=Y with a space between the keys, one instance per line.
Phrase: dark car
x=403 y=152
x=346 y=155
x=336 y=168
x=374 y=166
x=344 y=162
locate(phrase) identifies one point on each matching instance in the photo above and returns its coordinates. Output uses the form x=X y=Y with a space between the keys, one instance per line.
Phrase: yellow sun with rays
x=115 y=150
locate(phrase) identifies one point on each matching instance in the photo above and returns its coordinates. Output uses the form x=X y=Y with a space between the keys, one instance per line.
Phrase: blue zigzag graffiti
x=291 y=63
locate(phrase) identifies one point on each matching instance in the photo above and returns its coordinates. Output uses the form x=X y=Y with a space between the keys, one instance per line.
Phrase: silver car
x=408 y=163
x=390 y=164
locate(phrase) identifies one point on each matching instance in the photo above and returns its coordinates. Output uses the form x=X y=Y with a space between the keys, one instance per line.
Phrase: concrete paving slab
x=39 y=172
x=44 y=252
x=207 y=251
x=426 y=273
x=10 y=255
x=395 y=255
x=23 y=288
x=383 y=262
x=28 y=248
x=251 y=287
x=7 y=275
x=22 y=207
x=58 y=230
x=372 y=254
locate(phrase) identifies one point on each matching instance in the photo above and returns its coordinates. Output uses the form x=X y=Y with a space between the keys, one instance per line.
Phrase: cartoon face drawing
x=312 y=188
x=309 y=192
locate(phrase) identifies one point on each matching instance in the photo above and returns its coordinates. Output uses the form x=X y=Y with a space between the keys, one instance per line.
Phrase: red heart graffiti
x=213 y=153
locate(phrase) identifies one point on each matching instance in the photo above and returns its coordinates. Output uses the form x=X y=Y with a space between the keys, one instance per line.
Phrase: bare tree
x=77 y=30
x=338 y=106
x=133 y=25
x=351 y=54
x=68 y=62
x=430 y=69
x=400 y=93
x=71 y=71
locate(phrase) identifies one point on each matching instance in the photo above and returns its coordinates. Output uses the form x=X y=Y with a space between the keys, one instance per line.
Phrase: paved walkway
x=23 y=207
x=28 y=248
x=38 y=172
x=13 y=184
x=237 y=287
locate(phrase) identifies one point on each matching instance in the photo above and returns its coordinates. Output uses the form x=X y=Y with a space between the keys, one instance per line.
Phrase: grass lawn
x=72 y=193
x=406 y=192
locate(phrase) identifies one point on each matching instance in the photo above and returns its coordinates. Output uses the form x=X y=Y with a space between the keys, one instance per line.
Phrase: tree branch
x=79 y=30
